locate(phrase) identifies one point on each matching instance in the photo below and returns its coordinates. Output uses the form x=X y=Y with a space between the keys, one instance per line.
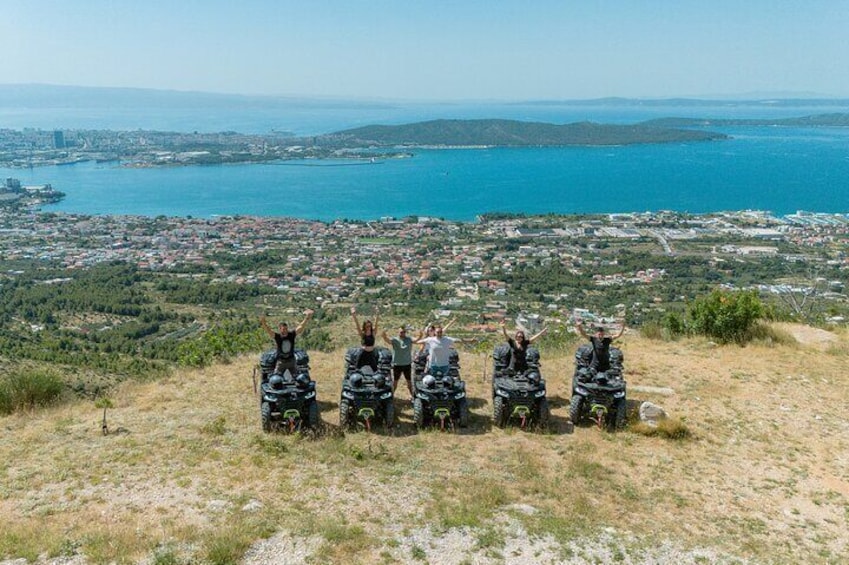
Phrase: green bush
x=725 y=316
x=21 y=389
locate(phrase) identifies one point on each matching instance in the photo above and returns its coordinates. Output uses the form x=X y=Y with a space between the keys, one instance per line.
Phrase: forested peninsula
x=513 y=133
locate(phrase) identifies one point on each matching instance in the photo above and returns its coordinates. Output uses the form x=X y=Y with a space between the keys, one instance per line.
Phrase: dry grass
x=190 y=477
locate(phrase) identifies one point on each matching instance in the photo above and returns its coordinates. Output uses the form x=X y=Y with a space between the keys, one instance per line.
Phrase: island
x=513 y=133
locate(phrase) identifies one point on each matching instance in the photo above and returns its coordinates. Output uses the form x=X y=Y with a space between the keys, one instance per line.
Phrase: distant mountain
x=511 y=133
x=759 y=102
x=840 y=120
x=57 y=96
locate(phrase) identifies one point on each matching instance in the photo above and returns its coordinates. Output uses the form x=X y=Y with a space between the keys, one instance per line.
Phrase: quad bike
x=598 y=396
x=367 y=395
x=439 y=399
x=518 y=396
x=287 y=402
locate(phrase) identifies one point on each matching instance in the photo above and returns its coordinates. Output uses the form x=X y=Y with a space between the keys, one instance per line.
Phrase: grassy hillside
x=186 y=475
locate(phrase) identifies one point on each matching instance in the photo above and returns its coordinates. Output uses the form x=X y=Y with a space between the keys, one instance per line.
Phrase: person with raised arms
x=601 y=344
x=367 y=333
x=439 y=350
x=284 y=340
x=402 y=357
x=519 y=347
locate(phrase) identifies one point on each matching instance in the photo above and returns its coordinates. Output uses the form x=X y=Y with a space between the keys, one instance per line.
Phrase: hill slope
x=187 y=474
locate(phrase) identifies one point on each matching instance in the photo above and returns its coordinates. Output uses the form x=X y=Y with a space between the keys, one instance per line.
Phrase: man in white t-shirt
x=439 y=350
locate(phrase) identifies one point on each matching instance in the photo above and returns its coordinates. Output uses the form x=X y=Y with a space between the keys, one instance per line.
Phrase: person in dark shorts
x=519 y=347
x=402 y=358
x=367 y=334
x=601 y=344
x=284 y=339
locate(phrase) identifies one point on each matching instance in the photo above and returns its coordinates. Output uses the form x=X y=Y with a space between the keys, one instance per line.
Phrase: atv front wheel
x=543 y=414
x=499 y=416
x=389 y=415
x=463 y=411
x=418 y=413
x=576 y=406
x=619 y=415
x=312 y=416
x=265 y=416
x=344 y=414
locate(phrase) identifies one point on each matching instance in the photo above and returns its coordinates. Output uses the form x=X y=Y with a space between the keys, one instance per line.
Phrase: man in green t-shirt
x=402 y=358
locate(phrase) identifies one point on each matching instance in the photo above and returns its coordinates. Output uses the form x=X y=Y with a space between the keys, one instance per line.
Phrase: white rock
x=651 y=414
x=252 y=506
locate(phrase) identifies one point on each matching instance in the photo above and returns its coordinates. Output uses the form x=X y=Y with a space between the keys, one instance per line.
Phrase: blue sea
x=780 y=169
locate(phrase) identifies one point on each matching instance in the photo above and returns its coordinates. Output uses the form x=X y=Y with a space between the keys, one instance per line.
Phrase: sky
x=433 y=49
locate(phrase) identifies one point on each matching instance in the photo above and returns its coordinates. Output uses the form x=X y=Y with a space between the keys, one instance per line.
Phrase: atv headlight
x=582 y=391
x=348 y=395
x=620 y=394
x=385 y=395
x=539 y=393
x=269 y=398
x=309 y=395
x=459 y=395
x=501 y=392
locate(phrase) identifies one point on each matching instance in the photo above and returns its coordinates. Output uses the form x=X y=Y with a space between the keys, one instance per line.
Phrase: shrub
x=766 y=334
x=725 y=316
x=670 y=428
x=652 y=330
x=21 y=389
x=669 y=328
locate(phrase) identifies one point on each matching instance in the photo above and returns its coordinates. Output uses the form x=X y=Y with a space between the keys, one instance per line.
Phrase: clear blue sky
x=433 y=49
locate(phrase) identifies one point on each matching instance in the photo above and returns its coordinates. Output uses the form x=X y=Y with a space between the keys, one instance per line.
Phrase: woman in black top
x=367 y=332
x=519 y=347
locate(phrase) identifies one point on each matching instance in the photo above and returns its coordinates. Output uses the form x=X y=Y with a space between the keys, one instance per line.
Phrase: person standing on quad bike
x=601 y=344
x=367 y=332
x=519 y=347
x=402 y=358
x=439 y=350
x=285 y=342
x=430 y=331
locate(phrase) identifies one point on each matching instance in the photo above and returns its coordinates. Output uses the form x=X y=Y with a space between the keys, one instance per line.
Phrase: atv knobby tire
x=312 y=416
x=463 y=413
x=543 y=414
x=499 y=416
x=576 y=406
x=619 y=415
x=265 y=416
x=418 y=413
x=344 y=414
x=389 y=416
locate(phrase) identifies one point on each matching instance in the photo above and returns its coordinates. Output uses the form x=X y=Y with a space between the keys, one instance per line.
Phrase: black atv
x=598 y=396
x=287 y=402
x=439 y=398
x=367 y=395
x=518 y=396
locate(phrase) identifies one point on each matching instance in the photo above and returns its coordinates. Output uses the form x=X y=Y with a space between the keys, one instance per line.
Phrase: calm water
x=778 y=169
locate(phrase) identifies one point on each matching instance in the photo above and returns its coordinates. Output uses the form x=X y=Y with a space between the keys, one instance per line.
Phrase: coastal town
x=645 y=262
x=30 y=148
